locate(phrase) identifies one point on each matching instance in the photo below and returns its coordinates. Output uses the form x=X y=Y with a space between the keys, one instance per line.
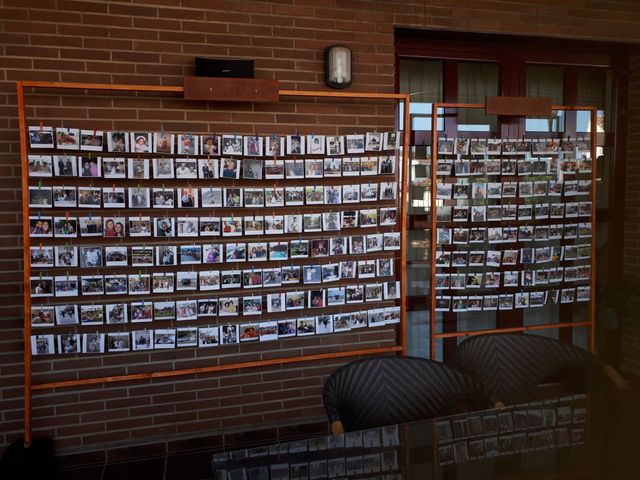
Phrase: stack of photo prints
x=538 y=426
x=238 y=238
x=514 y=223
x=374 y=453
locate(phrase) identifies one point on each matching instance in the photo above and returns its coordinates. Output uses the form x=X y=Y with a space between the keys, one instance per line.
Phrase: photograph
x=42 y=344
x=114 y=227
x=295 y=144
x=138 y=168
x=163 y=168
x=164 y=338
x=232 y=144
x=66 y=314
x=209 y=145
x=117 y=142
x=164 y=310
x=187 y=197
x=274 y=146
x=42 y=316
x=67 y=138
x=229 y=334
x=187 y=144
x=141 y=312
x=228 y=306
x=116 y=313
x=186 y=309
x=42 y=197
x=208 y=336
x=93 y=342
x=142 y=339
x=140 y=142
x=187 y=337
x=253 y=146
x=229 y=168
x=41 y=137
x=90 y=167
x=252 y=305
x=115 y=284
x=186 y=168
x=163 y=142
x=40 y=165
x=139 y=283
x=163 y=282
x=65 y=166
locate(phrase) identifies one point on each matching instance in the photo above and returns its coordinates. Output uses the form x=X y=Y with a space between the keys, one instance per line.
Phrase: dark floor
x=186 y=466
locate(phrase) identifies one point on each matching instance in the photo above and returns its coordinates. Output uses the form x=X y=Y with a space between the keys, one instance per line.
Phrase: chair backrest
x=389 y=390
x=511 y=366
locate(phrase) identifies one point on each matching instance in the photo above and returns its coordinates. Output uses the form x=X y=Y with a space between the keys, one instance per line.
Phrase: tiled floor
x=188 y=466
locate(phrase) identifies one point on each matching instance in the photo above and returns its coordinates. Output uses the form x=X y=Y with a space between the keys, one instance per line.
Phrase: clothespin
x=41 y=127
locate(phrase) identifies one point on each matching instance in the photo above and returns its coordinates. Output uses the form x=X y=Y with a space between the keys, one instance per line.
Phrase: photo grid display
x=545 y=425
x=375 y=453
x=209 y=240
x=514 y=224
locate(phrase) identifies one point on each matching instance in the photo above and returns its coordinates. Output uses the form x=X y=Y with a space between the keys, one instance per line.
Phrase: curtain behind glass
x=422 y=79
x=476 y=81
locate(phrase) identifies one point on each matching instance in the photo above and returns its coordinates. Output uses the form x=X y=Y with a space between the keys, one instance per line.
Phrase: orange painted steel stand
x=590 y=323
x=29 y=387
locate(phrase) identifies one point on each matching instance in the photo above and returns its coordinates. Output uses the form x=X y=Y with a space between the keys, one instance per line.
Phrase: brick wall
x=632 y=211
x=154 y=42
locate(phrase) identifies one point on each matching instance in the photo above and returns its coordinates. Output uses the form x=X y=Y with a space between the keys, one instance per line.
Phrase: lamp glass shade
x=338 y=66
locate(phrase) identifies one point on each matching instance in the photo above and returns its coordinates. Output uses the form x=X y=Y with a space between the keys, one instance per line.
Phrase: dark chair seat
x=389 y=390
x=512 y=366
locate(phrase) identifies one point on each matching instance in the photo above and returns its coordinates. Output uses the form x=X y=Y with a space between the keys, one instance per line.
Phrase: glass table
x=591 y=436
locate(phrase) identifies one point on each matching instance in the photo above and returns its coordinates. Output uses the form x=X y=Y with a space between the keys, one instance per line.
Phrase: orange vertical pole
x=26 y=243
x=434 y=178
x=592 y=276
x=404 y=204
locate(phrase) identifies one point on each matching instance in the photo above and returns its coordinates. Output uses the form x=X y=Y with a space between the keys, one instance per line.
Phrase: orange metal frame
x=29 y=387
x=434 y=335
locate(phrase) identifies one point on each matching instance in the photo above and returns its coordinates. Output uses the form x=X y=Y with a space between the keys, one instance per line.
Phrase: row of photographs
x=509 y=301
x=95 y=256
x=499 y=190
x=209 y=144
x=498 y=213
x=512 y=167
x=524 y=278
x=183 y=310
x=513 y=233
x=527 y=255
x=210 y=336
x=229 y=226
x=506 y=146
x=503 y=445
x=206 y=280
x=209 y=197
x=208 y=168
x=518 y=418
x=379 y=443
x=372 y=465
x=525 y=233
x=380 y=437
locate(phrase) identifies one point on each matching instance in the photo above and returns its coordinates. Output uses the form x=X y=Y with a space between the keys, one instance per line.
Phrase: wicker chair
x=512 y=366
x=390 y=390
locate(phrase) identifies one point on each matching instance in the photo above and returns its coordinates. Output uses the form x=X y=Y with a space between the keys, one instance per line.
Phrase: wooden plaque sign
x=231 y=89
x=525 y=106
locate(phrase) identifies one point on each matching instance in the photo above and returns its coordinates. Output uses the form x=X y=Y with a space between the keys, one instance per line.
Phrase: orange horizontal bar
x=180 y=89
x=482 y=105
x=321 y=93
x=104 y=86
x=214 y=368
x=527 y=328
